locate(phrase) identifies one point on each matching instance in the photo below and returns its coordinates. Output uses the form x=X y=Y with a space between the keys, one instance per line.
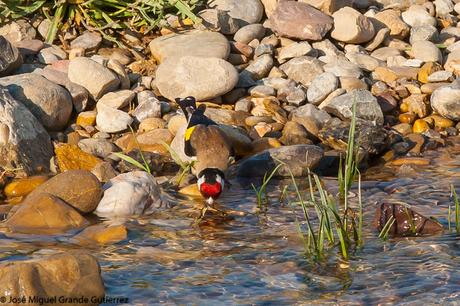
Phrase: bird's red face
x=211 y=187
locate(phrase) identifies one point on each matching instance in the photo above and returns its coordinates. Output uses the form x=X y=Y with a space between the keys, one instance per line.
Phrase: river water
x=258 y=258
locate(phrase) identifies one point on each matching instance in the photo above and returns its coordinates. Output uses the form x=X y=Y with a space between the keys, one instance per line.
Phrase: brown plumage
x=211 y=148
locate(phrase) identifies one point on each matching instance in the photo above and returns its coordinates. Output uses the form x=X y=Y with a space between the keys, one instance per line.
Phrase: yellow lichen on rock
x=71 y=157
x=24 y=186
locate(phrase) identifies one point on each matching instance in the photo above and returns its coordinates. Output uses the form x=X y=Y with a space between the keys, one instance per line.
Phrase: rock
x=96 y=78
x=420 y=126
x=24 y=142
x=50 y=103
x=88 y=41
x=423 y=32
x=453 y=62
x=29 y=47
x=440 y=76
x=119 y=69
x=151 y=141
x=302 y=69
x=250 y=32
x=117 y=99
x=385 y=52
x=294 y=50
x=293 y=95
x=148 y=106
x=10 y=58
x=71 y=275
x=51 y=54
x=212 y=77
x=102 y=234
x=364 y=61
x=83 y=196
x=132 y=193
x=104 y=172
x=24 y=186
x=191 y=43
x=96 y=146
x=221 y=116
x=426 y=70
x=312 y=118
x=111 y=120
x=16 y=31
x=87 y=118
x=294 y=133
x=378 y=39
x=417 y=15
x=350 y=83
x=191 y=190
x=367 y=107
x=391 y=19
x=261 y=91
x=298 y=158
x=78 y=93
x=44 y=213
x=350 y=26
x=443 y=7
x=245 y=12
x=71 y=157
x=300 y=21
x=407 y=221
x=390 y=74
x=343 y=68
x=259 y=68
x=150 y=124
x=446 y=102
x=321 y=86
x=426 y=51
x=217 y=20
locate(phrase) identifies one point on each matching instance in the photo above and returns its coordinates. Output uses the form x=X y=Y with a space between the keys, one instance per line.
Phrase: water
x=258 y=259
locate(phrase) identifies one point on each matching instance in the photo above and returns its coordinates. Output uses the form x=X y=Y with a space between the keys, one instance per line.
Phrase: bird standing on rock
x=208 y=146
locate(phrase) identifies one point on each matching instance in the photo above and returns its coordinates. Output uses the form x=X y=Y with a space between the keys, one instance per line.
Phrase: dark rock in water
x=24 y=143
x=10 y=58
x=373 y=139
x=298 y=158
x=407 y=221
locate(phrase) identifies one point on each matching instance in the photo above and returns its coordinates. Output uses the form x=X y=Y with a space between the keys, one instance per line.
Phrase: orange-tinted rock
x=191 y=190
x=87 y=118
x=102 y=234
x=420 y=126
x=23 y=187
x=71 y=157
x=265 y=143
x=419 y=161
x=44 y=213
x=407 y=118
x=426 y=70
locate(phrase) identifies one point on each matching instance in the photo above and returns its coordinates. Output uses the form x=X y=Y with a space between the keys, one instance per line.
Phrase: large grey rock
x=302 y=69
x=50 y=103
x=191 y=43
x=93 y=76
x=446 y=101
x=203 y=78
x=245 y=12
x=350 y=26
x=423 y=32
x=300 y=20
x=10 y=58
x=298 y=158
x=131 y=193
x=367 y=107
x=321 y=86
x=24 y=143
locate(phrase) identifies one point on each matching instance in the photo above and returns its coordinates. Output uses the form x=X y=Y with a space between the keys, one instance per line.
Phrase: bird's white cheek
x=199 y=182
x=220 y=181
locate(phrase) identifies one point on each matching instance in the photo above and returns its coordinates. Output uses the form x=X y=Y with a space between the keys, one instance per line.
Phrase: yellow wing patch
x=188 y=132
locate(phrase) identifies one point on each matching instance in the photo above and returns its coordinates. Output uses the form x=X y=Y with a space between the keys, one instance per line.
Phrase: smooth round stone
x=191 y=43
x=426 y=51
x=249 y=33
x=202 y=78
x=111 y=120
x=23 y=187
x=446 y=102
x=117 y=99
x=417 y=15
x=246 y=12
x=423 y=32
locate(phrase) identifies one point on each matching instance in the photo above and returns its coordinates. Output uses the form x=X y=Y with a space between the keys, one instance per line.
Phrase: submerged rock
x=24 y=143
x=71 y=275
x=102 y=234
x=132 y=193
x=298 y=158
x=407 y=221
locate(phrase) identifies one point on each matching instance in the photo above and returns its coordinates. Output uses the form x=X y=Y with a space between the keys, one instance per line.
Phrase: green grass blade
x=131 y=160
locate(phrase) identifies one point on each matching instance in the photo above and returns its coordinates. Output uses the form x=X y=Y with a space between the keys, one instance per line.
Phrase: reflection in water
x=258 y=259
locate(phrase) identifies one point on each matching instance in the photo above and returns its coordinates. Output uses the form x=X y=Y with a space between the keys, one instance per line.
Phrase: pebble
x=391 y=19
x=300 y=21
x=117 y=99
x=246 y=12
x=11 y=58
x=321 y=86
x=148 y=106
x=302 y=69
x=212 y=77
x=294 y=50
x=111 y=120
x=420 y=126
x=87 y=118
x=250 y=32
x=350 y=26
x=426 y=51
x=88 y=41
x=96 y=78
x=440 y=76
x=51 y=54
x=217 y=20
x=417 y=15
x=24 y=186
x=446 y=102
x=71 y=157
x=97 y=146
